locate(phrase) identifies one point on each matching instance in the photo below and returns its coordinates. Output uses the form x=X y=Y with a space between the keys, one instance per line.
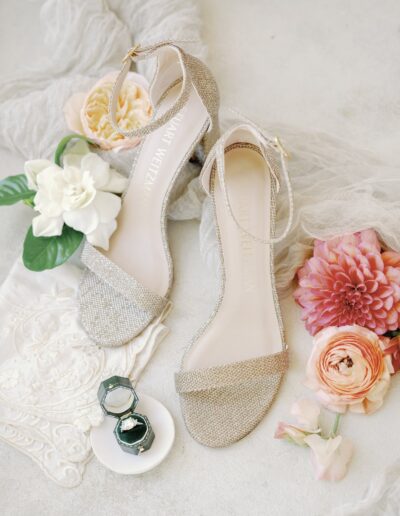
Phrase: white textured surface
x=329 y=65
x=47 y=361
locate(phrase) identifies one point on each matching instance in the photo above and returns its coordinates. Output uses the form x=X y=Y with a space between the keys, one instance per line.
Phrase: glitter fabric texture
x=114 y=307
x=221 y=405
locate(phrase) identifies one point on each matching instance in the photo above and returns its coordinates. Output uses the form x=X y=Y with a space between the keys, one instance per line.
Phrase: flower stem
x=336 y=425
x=63 y=144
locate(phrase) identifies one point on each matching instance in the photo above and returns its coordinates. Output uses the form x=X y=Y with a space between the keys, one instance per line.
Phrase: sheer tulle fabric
x=337 y=189
x=44 y=349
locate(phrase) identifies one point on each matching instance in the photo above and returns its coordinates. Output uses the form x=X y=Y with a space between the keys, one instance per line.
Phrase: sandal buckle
x=279 y=146
x=131 y=53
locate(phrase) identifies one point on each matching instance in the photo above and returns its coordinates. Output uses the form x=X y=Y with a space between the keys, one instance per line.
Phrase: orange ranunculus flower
x=348 y=369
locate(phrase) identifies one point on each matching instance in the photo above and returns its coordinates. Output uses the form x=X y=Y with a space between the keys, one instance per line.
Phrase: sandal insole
x=137 y=245
x=246 y=324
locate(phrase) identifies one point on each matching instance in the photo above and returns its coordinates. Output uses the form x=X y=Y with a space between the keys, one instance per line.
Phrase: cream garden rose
x=81 y=194
x=348 y=369
x=88 y=113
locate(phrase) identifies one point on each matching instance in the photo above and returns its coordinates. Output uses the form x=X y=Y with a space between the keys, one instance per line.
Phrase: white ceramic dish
x=106 y=448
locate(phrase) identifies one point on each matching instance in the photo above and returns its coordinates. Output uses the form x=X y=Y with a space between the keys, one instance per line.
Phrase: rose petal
x=72 y=112
x=134 y=110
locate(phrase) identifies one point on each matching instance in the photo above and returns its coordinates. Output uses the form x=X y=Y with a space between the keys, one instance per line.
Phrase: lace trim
x=50 y=370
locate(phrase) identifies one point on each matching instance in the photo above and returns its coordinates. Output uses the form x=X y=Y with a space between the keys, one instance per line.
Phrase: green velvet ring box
x=118 y=399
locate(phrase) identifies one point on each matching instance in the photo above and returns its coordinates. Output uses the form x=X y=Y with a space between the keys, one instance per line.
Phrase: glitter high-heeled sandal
x=232 y=371
x=125 y=288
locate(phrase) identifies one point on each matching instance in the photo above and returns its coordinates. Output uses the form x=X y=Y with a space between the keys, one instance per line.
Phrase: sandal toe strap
x=122 y=282
x=231 y=374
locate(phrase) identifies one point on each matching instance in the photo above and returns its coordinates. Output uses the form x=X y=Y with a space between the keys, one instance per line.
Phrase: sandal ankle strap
x=194 y=75
x=216 y=160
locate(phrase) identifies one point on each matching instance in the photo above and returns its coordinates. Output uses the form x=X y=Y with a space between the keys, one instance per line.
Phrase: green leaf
x=41 y=253
x=64 y=142
x=14 y=189
x=392 y=334
x=30 y=201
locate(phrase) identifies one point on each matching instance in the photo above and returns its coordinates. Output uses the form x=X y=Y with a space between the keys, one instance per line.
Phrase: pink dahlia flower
x=349 y=281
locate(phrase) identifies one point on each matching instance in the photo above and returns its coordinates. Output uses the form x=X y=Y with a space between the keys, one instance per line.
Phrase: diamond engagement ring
x=129 y=423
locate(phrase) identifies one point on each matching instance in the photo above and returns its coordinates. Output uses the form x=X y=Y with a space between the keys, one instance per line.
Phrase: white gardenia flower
x=32 y=169
x=80 y=194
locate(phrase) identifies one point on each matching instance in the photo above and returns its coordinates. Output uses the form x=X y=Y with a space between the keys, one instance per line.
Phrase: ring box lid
x=117 y=397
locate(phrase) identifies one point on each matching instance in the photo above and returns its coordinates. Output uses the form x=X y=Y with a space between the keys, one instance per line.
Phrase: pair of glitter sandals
x=236 y=362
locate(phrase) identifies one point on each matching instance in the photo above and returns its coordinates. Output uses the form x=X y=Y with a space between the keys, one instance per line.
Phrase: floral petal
x=307 y=413
x=99 y=169
x=107 y=206
x=72 y=112
x=74 y=154
x=46 y=205
x=43 y=226
x=79 y=147
x=32 y=168
x=51 y=180
x=323 y=452
x=117 y=183
x=72 y=161
x=84 y=220
x=79 y=191
x=330 y=456
x=100 y=237
x=291 y=433
x=340 y=464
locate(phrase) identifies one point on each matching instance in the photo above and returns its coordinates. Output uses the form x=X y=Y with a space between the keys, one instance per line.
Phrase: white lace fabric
x=328 y=177
x=86 y=40
x=50 y=370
